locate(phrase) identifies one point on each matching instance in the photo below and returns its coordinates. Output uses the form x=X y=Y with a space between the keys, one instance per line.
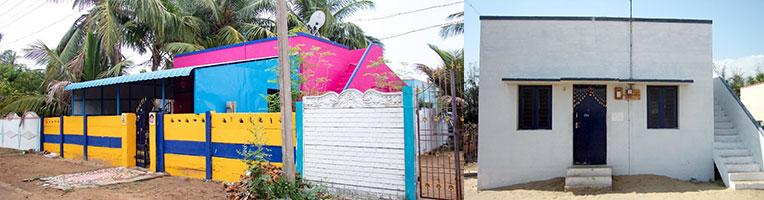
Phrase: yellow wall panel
x=183 y=165
x=110 y=126
x=128 y=140
x=51 y=125
x=73 y=151
x=51 y=147
x=152 y=147
x=229 y=170
x=226 y=169
x=73 y=125
x=189 y=127
x=237 y=128
x=111 y=156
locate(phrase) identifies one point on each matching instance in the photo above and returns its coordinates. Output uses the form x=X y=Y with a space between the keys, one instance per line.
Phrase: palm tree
x=453 y=62
x=223 y=22
x=453 y=29
x=336 y=28
x=60 y=71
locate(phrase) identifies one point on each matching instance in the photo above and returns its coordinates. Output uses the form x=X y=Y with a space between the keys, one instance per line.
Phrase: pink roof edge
x=327 y=66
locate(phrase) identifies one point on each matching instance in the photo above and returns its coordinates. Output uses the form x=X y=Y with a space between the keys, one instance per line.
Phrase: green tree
x=59 y=72
x=452 y=62
x=453 y=29
x=736 y=81
x=17 y=80
x=222 y=22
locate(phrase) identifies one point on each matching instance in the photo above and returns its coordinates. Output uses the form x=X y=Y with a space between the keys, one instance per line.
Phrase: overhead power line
x=43 y=28
x=473 y=7
x=3 y=3
x=9 y=10
x=410 y=11
x=421 y=29
x=14 y=20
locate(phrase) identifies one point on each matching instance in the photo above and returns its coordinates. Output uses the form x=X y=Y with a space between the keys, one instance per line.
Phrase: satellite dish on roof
x=316 y=21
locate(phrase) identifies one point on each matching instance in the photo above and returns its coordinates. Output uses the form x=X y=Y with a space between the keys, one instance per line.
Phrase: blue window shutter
x=534 y=107
x=662 y=107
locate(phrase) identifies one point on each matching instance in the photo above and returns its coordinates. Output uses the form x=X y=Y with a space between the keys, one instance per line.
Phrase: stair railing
x=755 y=141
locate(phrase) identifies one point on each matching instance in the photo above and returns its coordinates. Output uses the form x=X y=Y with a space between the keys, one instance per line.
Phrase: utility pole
x=285 y=94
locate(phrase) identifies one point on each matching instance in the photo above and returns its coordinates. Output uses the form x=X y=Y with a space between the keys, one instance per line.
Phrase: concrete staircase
x=732 y=157
x=589 y=177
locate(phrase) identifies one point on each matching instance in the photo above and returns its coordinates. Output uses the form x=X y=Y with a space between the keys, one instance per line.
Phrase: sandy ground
x=15 y=168
x=624 y=187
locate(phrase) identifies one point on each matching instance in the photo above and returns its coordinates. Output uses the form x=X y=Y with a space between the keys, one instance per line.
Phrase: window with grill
x=662 y=107
x=535 y=107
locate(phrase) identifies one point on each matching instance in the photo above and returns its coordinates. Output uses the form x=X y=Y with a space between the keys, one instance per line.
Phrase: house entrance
x=589 y=125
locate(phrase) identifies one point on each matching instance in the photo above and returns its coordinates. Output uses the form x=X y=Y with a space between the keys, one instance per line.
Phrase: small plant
x=263 y=180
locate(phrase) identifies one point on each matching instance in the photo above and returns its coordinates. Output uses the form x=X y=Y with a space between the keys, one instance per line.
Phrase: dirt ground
x=15 y=168
x=641 y=187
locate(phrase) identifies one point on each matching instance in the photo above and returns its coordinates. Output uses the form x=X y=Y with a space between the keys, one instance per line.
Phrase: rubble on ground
x=96 y=178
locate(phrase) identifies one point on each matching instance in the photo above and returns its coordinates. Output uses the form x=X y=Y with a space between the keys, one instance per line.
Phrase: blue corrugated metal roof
x=169 y=73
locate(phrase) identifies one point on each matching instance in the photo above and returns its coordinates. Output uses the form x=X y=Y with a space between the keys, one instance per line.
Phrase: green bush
x=264 y=180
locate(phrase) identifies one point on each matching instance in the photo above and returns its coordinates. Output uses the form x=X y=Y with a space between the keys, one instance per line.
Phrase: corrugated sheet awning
x=169 y=73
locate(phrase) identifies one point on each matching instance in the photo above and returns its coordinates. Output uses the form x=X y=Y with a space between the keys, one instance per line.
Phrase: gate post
x=208 y=144
x=61 y=135
x=85 y=136
x=156 y=141
x=299 y=134
x=409 y=142
x=42 y=134
x=160 y=140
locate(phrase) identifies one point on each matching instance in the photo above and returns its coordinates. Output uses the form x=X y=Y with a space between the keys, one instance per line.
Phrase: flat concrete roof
x=622 y=19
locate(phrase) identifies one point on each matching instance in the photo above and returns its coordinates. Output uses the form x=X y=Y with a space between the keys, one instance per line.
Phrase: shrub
x=263 y=180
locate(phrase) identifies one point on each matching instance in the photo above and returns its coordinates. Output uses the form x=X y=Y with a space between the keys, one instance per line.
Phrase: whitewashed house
x=590 y=97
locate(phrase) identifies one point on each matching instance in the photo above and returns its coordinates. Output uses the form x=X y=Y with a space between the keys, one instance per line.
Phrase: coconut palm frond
x=39 y=104
x=181 y=47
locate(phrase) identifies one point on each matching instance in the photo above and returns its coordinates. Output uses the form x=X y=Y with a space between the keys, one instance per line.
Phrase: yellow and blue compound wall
x=110 y=139
x=209 y=146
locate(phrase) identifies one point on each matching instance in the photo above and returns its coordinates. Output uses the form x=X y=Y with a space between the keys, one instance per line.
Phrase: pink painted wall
x=374 y=74
x=327 y=66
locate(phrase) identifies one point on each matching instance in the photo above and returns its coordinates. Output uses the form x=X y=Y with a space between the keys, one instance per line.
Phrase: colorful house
x=241 y=74
x=206 y=106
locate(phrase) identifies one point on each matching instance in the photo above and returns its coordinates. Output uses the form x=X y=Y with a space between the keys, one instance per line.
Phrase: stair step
x=589 y=171
x=737 y=159
x=726 y=138
x=747 y=176
x=749 y=167
x=741 y=185
x=594 y=182
x=729 y=145
x=721 y=118
x=725 y=131
x=733 y=152
x=719 y=125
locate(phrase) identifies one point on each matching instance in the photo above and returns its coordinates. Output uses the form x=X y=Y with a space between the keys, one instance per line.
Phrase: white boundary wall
x=21 y=133
x=353 y=143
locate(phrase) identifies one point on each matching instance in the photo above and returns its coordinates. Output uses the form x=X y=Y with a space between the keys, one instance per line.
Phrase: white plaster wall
x=595 y=49
x=751 y=97
x=353 y=143
x=18 y=133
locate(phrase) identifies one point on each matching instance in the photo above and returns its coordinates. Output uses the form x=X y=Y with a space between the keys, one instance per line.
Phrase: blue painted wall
x=247 y=83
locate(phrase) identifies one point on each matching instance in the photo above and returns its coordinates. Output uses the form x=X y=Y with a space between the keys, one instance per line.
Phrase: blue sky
x=738 y=25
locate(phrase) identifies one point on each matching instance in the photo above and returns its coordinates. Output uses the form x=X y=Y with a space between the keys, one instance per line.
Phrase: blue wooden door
x=589 y=125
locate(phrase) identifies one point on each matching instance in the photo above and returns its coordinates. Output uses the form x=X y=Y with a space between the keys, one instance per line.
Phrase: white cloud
x=746 y=65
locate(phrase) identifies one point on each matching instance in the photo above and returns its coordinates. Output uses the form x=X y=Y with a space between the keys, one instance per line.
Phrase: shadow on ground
x=622 y=184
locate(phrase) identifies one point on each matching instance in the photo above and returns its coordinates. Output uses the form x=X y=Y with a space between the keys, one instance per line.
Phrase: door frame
x=573 y=119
